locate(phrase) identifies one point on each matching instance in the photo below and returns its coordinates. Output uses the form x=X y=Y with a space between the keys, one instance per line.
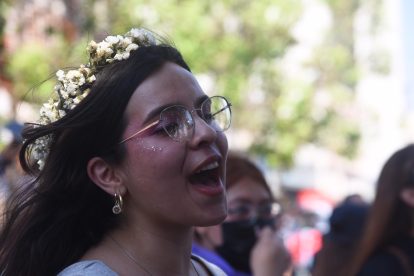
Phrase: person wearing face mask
x=247 y=240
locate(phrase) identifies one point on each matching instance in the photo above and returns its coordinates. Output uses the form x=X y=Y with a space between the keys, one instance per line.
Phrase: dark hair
x=240 y=167
x=339 y=244
x=389 y=217
x=61 y=213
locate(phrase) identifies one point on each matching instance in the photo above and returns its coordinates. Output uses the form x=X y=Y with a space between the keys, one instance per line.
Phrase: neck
x=157 y=252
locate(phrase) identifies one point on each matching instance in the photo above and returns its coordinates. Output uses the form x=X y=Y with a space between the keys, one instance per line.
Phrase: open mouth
x=207 y=179
x=207 y=176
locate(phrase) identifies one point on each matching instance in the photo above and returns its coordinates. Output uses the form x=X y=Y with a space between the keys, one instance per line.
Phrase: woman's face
x=248 y=199
x=172 y=182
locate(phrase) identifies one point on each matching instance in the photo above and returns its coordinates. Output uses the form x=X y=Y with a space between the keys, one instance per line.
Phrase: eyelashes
x=166 y=126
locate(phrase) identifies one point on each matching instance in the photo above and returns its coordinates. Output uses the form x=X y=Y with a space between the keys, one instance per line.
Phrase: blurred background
x=322 y=90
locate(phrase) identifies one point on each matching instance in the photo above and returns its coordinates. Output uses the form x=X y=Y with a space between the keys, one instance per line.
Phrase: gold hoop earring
x=117 y=209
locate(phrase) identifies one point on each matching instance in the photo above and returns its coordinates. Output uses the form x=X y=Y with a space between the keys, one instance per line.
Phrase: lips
x=206 y=179
x=208 y=167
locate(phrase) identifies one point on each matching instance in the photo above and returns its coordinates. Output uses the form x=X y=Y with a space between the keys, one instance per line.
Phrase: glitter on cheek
x=153 y=148
x=145 y=146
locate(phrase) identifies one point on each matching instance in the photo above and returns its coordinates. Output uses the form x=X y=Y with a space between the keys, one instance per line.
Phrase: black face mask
x=239 y=237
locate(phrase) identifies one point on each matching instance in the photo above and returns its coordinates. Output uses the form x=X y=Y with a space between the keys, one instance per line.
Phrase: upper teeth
x=209 y=166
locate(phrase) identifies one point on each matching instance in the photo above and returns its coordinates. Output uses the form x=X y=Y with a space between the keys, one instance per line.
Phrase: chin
x=220 y=220
x=213 y=219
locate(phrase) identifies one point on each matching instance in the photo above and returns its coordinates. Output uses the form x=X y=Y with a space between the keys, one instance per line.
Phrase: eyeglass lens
x=178 y=122
x=246 y=210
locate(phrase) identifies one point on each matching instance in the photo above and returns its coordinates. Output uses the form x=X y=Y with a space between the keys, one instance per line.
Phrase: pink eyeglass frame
x=191 y=112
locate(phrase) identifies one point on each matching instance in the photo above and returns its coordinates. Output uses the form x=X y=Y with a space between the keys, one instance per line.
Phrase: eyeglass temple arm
x=224 y=108
x=139 y=132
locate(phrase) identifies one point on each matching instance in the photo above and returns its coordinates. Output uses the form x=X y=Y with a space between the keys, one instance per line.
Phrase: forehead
x=247 y=189
x=171 y=84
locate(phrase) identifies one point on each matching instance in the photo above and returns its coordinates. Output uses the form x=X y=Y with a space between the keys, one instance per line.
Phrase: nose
x=256 y=214
x=203 y=133
x=250 y=212
x=253 y=215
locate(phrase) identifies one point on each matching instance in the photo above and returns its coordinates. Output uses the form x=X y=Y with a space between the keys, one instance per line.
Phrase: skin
x=161 y=204
x=246 y=191
x=269 y=256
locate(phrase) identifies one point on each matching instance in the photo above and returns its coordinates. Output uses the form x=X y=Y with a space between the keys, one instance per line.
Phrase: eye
x=169 y=126
x=208 y=118
x=241 y=210
x=207 y=115
x=172 y=128
x=159 y=130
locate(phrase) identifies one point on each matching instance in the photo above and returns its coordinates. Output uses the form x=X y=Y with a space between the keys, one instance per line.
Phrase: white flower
x=92 y=46
x=71 y=88
x=70 y=94
x=134 y=32
x=131 y=47
x=60 y=75
x=77 y=99
x=73 y=74
x=104 y=49
x=91 y=79
x=86 y=92
x=112 y=39
x=62 y=113
x=121 y=56
x=118 y=57
x=64 y=94
x=126 y=42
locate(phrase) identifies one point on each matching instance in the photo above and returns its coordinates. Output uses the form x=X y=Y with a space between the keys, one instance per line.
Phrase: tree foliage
x=240 y=46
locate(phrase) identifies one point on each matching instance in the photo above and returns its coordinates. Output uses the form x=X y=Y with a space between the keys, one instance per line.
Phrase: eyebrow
x=156 y=111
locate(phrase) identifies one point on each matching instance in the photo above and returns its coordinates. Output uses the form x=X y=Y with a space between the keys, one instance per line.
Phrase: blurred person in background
x=354 y=198
x=387 y=243
x=248 y=239
x=10 y=169
x=346 y=224
x=206 y=240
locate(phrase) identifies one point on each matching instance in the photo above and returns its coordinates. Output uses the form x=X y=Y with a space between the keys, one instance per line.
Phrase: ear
x=105 y=176
x=407 y=195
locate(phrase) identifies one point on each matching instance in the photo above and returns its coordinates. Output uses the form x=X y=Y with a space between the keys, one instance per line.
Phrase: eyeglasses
x=248 y=210
x=178 y=122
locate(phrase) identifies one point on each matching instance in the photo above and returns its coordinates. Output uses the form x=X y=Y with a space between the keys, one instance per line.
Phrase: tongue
x=207 y=183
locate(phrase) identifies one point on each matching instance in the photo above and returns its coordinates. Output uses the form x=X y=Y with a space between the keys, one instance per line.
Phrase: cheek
x=154 y=175
x=222 y=143
x=143 y=147
x=154 y=160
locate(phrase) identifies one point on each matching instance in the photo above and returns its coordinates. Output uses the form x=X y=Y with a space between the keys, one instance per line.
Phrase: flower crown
x=74 y=85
